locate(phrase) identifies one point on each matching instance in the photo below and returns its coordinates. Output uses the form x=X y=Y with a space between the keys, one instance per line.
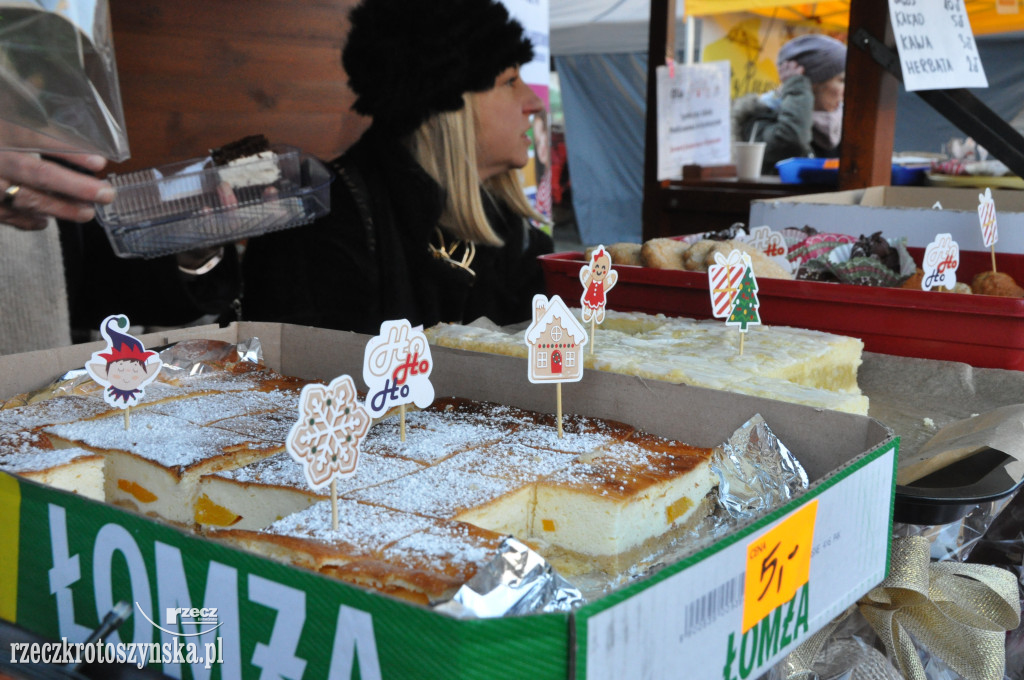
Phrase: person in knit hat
x=428 y=218
x=804 y=115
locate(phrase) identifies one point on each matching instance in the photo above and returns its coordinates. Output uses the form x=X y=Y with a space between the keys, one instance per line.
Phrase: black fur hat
x=410 y=59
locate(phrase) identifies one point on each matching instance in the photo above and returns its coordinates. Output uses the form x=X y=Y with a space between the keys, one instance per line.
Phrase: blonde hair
x=445 y=145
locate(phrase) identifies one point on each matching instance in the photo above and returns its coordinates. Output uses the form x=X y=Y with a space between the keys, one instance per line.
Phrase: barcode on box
x=705 y=610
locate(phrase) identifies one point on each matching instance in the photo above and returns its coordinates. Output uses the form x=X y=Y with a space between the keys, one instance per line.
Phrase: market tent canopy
x=601 y=26
x=984 y=16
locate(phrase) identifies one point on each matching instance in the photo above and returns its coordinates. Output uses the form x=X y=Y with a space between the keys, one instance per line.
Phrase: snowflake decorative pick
x=325 y=440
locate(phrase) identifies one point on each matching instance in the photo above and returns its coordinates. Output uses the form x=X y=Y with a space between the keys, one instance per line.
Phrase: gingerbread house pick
x=555 y=340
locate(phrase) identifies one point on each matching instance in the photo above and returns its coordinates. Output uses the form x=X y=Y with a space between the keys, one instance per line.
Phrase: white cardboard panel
x=646 y=636
x=899 y=211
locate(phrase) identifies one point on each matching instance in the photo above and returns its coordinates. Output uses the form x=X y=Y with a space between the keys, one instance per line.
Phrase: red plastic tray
x=980 y=330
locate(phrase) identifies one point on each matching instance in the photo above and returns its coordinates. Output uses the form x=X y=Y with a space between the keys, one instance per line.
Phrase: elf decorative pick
x=124 y=368
x=597 y=278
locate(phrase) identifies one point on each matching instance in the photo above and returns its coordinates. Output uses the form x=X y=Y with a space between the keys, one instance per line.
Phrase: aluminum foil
x=195 y=357
x=518 y=581
x=756 y=472
x=185 y=358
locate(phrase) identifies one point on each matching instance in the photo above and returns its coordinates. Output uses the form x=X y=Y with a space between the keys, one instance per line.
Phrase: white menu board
x=693 y=116
x=936 y=45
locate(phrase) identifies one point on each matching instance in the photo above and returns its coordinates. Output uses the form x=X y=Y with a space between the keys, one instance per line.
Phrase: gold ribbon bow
x=958 y=612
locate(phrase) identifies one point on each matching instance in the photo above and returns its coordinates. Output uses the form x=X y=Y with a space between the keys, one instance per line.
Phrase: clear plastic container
x=186 y=205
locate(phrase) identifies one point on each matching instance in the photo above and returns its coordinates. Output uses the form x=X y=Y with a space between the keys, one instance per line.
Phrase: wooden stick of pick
x=401 y=417
x=593 y=323
x=127 y=417
x=742 y=337
x=993 y=248
x=334 y=504
x=558 y=401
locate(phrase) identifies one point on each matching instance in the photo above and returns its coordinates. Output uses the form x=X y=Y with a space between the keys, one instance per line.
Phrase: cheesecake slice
x=448 y=492
x=408 y=556
x=307 y=538
x=30 y=455
x=626 y=502
x=256 y=495
x=155 y=465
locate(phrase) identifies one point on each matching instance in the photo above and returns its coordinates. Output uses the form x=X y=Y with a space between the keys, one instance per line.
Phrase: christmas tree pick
x=745 y=304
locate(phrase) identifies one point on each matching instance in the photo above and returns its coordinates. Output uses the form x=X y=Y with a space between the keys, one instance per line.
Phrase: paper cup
x=749 y=156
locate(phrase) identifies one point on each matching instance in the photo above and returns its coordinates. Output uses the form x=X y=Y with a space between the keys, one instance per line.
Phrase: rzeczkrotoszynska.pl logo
x=205 y=620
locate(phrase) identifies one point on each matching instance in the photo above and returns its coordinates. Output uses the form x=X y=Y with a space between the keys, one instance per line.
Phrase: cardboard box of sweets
x=66 y=560
x=984 y=331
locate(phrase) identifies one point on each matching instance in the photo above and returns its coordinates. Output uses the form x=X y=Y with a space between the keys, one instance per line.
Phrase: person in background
x=542 y=162
x=33 y=296
x=428 y=219
x=804 y=115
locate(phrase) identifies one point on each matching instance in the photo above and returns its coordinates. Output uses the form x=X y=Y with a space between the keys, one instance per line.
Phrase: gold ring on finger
x=9 y=194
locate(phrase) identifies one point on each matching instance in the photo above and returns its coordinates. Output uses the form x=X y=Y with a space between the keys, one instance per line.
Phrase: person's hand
x=788 y=69
x=34 y=189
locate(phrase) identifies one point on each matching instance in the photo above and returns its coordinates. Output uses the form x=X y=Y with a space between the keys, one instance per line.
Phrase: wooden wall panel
x=195 y=74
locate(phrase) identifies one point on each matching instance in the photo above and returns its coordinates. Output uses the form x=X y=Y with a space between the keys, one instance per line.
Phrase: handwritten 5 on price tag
x=396 y=368
x=941 y=259
x=778 y=563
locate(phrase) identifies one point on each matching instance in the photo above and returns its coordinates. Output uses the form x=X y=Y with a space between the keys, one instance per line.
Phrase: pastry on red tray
x=996 y=283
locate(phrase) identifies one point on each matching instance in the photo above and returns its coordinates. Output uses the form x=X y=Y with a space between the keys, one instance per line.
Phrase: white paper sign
x=693 y=117
x=941 y=259
x=936 y=45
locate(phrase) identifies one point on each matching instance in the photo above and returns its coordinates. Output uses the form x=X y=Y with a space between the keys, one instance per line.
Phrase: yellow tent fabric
x=985 y=16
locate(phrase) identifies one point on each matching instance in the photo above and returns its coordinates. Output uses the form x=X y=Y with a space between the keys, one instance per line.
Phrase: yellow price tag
x=778 y=563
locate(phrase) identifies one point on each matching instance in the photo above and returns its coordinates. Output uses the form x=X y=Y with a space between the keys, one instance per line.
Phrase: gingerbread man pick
x=597 y=278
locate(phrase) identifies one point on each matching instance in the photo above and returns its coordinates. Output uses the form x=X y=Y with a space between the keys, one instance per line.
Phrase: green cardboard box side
x=900 y=211
x=65 y=560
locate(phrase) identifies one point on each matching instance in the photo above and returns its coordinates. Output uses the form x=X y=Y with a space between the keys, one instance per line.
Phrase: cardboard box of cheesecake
x=65 y=560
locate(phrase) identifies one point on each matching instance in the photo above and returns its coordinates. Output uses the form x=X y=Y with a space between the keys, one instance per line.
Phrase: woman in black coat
x=428 y=219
